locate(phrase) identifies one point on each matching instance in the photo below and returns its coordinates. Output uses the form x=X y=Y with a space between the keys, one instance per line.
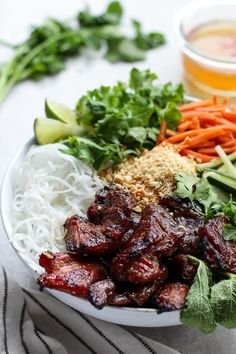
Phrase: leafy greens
x=123 y=119
x=203 y=195
x=48 y=46
x=223 y=301
x=210 y=301
x=198 y=311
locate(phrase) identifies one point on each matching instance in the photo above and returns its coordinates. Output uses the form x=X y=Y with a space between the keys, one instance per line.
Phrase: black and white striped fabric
x=32 y=322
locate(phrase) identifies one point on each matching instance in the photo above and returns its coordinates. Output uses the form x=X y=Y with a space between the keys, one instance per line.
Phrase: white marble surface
x=26 y=101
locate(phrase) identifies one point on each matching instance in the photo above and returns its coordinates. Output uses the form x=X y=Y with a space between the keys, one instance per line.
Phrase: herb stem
x=5 y=86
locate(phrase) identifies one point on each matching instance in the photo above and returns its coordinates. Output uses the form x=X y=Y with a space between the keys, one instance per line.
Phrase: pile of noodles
x=50 y=186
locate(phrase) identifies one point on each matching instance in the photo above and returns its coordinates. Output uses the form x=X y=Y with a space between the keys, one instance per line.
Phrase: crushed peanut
x=150 y=176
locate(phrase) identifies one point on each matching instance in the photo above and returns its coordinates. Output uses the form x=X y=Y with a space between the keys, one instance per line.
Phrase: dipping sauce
x=215 y=41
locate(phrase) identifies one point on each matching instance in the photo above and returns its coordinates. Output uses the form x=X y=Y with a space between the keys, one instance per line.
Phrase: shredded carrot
x=198 y=156
x=195 y=123
x=207 y=143
x=184 y=126
x=211 y=151
x=233 y=108
x=229 y=143
x=225 y=101
x=204 y=125
x=215 y=99
x=182 y=136
x=209 y=133
x=161 y=136
x=199 y=114
x=170 y=132
x=229 y=115
x=192 y=105
x=213 y=109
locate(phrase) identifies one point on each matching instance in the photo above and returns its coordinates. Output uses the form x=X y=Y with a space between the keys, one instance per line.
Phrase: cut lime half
x=48 y=131
x=60 y=112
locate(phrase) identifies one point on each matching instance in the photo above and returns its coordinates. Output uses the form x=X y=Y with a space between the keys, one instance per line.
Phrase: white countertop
x=26 y=101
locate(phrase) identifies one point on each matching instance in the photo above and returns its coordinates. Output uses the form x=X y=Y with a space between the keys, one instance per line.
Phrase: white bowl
x=140 y=317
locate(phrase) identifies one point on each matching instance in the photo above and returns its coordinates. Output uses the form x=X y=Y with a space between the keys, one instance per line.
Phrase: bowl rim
x=193 y=51
x=30 y=264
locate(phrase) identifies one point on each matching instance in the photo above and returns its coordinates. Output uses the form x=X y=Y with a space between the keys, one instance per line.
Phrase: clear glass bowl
x=209 y=73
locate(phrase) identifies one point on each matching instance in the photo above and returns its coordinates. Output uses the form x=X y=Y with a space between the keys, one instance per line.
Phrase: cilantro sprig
x=48 y=46
x=123 y=119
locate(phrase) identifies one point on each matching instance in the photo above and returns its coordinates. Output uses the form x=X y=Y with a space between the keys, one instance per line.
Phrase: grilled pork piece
x=69 y=273
x=101 y=292
x=218 y=253
x=171 y=297
x=111 y=223
x=104 y=293
x=145 y=269
x=156 y=234
x=156 y=231
x=184 y=269
x=120 y=300
x=142 y=294
x=188 y=220
x=108 y=200
x=84 y=238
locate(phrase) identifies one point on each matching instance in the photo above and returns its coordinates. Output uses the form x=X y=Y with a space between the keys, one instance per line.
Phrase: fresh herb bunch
x=206 y=200
x=48 y=46
x=124 y=119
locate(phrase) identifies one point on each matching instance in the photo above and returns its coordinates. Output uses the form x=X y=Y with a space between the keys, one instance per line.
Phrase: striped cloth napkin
x=32 y=322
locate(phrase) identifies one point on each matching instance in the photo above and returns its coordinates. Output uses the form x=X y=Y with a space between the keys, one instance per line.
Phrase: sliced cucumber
x=60 y=112
x=220 y=179
x=217 y=162
x=224 y=183
x=221 y=173
x=49 y=130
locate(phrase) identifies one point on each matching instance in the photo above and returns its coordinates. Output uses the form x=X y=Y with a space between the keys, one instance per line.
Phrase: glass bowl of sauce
x=207 y=33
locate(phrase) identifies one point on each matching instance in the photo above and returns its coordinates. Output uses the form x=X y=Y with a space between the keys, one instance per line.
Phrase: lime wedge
x=60 y=112
x=49 y=130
